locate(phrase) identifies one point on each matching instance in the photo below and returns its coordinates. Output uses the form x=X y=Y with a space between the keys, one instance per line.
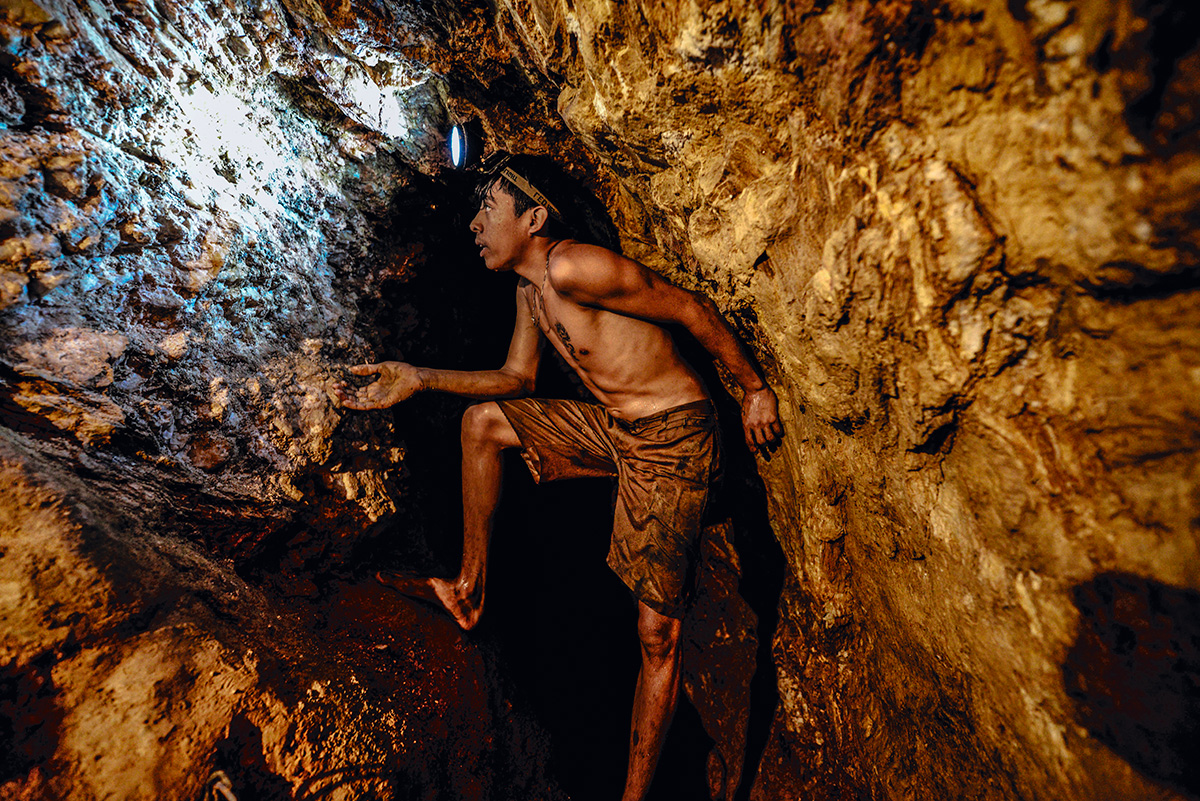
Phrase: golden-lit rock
x=74 y=354
x=136 y=670
x=960 y=238
x=947 y=232
x=89 y=416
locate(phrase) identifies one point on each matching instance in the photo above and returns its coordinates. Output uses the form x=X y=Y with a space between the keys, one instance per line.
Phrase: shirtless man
x=654 y=427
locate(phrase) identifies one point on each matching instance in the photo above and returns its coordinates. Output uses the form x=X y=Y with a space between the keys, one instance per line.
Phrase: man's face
x=498 y=230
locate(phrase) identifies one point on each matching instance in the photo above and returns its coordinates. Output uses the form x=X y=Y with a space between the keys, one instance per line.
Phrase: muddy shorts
x=664 y=465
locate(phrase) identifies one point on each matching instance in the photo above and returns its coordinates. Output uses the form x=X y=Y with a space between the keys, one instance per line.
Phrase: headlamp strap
x=519 y=182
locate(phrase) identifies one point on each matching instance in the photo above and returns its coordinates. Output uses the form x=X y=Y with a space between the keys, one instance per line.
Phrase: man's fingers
x=355 y=399
x=763 y=428
x=764 y=438
x=361 y=405
x=365 y=369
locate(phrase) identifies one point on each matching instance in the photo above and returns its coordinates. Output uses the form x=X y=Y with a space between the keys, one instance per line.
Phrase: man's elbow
x=520 y=384
x=701 y=313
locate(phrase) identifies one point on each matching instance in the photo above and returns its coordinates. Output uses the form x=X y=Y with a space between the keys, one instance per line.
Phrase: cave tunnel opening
x=560 y=627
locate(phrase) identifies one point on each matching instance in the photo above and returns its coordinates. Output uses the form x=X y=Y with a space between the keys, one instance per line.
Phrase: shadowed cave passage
x=561 y=624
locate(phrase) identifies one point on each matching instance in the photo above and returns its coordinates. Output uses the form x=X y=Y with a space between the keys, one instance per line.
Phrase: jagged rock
x=112 y=638
x=940 y=224
x=960 y=237
x=74 y=354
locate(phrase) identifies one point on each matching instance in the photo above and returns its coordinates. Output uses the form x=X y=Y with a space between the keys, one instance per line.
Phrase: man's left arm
x=760 y=409
x=598 y=277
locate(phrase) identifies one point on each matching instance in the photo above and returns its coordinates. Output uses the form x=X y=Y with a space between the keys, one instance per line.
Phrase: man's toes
x=419 y=587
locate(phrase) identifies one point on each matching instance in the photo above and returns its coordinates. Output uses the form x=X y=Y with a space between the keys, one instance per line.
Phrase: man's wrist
x=424 y=376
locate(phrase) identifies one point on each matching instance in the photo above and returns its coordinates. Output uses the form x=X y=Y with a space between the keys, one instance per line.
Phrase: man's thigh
x=665 y=477
x=561 y=438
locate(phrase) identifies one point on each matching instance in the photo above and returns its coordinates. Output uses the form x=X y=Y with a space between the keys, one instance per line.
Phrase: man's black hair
x=583 y=216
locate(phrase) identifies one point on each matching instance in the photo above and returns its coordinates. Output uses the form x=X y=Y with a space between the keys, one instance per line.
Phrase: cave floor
x=463 y=736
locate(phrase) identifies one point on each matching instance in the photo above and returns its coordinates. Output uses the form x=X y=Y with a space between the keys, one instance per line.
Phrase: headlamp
x=458 y=147
x=464 y=143
x=497 y=166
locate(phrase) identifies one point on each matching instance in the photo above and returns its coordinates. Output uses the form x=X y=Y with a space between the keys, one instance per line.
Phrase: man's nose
x=476 y=226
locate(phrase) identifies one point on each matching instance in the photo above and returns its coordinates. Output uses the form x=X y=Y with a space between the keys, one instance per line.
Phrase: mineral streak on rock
x=961 y=237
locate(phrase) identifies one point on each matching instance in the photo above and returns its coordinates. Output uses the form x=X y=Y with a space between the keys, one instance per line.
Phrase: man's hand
x=397 y=381
x=760 y=420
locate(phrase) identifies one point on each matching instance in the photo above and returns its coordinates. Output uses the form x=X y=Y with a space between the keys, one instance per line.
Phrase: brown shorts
x=663 y=464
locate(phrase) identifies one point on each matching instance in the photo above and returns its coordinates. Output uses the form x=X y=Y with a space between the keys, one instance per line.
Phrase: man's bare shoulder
x=589 y=271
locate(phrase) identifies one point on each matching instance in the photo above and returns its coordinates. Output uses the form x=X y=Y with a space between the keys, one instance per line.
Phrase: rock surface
x=196 y=201
x=956 y=235
x=134 y=666
x=961 y=238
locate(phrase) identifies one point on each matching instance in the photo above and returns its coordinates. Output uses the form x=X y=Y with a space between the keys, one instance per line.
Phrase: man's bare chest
x=573 y=330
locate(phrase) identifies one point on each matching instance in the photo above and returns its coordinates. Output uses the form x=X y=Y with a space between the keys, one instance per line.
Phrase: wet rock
x=12 y=105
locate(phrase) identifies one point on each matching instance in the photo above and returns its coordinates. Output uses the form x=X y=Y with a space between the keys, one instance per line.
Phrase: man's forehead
x=495 y=191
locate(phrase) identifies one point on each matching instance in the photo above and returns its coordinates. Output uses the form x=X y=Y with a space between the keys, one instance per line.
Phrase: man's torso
x=631 y=365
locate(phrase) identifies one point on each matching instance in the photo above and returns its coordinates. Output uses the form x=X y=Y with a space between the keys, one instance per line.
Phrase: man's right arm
x=399 y=381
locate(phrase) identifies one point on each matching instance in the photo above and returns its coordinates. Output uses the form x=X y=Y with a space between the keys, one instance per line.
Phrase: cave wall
x=959 y=236
x=191 y=195
x=962 y=239
x=208 y=210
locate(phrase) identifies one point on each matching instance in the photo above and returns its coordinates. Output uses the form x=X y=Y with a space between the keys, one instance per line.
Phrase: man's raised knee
x=485 y=424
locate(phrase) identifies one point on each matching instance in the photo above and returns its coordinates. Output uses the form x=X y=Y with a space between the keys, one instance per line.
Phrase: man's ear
x=537 y=219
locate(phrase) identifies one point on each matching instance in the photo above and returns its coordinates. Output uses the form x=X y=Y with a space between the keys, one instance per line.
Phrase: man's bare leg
x=654 y=699
x=486 y=432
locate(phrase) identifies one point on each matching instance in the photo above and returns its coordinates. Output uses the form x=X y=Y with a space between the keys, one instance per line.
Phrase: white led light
x=457 y=146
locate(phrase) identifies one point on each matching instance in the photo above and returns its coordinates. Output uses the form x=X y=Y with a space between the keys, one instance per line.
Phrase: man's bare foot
x=452 y=597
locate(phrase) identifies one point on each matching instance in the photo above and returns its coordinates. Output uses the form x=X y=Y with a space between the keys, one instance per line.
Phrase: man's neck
x=532 y=266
